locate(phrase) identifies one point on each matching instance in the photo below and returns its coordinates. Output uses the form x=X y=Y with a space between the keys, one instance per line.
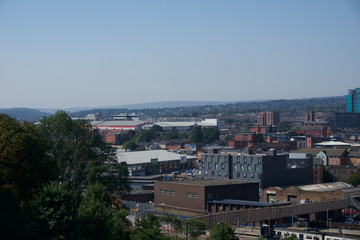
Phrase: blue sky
x=66 y=53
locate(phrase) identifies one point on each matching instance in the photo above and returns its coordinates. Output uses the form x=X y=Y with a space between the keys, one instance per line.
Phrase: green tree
x=210 y=134
x=52 y=214
x=95 y=220
x=196 y=135
x=130 y=145
x=194 y=228
x=147 y=229
x=24 y=166
x=222 y=231
x=145 y=136
x=173 y=220
x=156 y=128
x=173 y=134
x=82 y=157
x=120 y=225
x=11 y=217
x=354 y=179
x=283 y=127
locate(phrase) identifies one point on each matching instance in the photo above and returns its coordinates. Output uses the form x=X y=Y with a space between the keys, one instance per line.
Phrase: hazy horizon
x=89 y=54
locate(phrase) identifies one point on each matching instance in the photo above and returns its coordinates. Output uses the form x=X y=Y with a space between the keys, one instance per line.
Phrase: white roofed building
x=142 y=163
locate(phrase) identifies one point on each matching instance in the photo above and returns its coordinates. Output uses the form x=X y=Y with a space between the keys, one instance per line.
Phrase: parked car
x=349 y=221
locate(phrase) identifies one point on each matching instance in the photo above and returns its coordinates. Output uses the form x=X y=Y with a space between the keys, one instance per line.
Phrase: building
x=267 y=169
x=306 y=193
x=329 y=156
x=347 y=120
x=184 y=126
x=245 y=139
x=353 y=101
x=120 y=122
x=341 y=173
x=143 y=163
x=268 y=118
x=199 y=197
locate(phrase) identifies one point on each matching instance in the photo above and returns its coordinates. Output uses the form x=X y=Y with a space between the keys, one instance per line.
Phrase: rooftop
x=325 y=187
x=210 y=182
x=139 y=157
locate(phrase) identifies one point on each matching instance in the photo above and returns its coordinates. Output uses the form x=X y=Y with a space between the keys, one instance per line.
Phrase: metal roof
x=210 y=182
x=117 y=123
x=325 y=187
x=139 y=157
x=240 y=202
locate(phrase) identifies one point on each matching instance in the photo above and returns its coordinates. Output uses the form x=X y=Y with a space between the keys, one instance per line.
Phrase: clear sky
x=74 y=53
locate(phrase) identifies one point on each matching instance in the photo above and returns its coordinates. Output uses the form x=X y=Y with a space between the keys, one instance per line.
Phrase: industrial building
x=184 y=126
x=144 y=163
x=198 y=197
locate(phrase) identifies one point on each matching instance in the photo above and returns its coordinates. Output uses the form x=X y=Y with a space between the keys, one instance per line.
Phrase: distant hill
x=24 y=114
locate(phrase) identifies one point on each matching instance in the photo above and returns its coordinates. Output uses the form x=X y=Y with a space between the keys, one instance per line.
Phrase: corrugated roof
x=139 y=157
x=325 y=187
x=240 y=202
x=210 y=182
x=117 y=123
x=315 y=151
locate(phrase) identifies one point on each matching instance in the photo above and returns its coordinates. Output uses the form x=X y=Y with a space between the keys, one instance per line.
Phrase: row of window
x=251 y=160
x=192 y=195
x=167 y=192
x=226 y=173
x=245 y=175
x=249 y=167
x=219 y=158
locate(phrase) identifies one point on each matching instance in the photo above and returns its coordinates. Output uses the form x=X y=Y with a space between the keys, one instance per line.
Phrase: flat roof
x=325 y=187
x=117 y=123
x=138 y=157
x=240 y=202
x=210 y=182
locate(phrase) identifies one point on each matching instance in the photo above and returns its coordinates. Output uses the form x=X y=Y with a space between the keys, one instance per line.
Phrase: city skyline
x=89 y=54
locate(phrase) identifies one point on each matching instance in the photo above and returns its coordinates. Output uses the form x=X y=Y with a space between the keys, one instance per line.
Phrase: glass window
x=235 y=167
x=212 y=158
x=252 y=160
x=259 y=160
x=206 y=158
x=206 y=173
x=238 y=159
x=242 y=167
x=212 y=173
x=203 y=165
x=195 y=195
x=189 y=195
x=226 y=159
x=219 y=158
x=252 y=175
x=238 y=174
x=256 y=168
x=172 y=193
x=245 y=174
x=167 y=192
x=225 y=173
x=216 y=166
x=219 y=173
x=222 y=165
x=209 y=165
x=245 y=160
x=249 y=167
x=162 y=191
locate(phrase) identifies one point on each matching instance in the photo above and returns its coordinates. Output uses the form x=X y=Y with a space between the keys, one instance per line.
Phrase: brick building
x=197 y=197
x=245 y=139
x=306 y=193
x=268 y=118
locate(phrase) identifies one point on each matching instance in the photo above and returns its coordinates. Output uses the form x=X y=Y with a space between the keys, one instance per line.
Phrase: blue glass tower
x=353 y=101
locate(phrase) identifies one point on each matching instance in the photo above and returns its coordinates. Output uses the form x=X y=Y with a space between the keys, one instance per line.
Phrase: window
x=256 y=169
x=216 y=166
x=206 y=158
x=238 y=174
x=238 y=159
x=219 y=173
x=226 y=159
x=252 y=175
x=195 y=195
x=206 y=173
x=167 y=192
x=172 y=193
x=252 y=160
x=162 y=191
x=203 y=165
x=242 y=167
x=209 y=165
x=245 y=174
x=259 y=160
x=235 y=167
x=249 y=167
x=212 y=158
x=225 y=173
x=245 y=160
x=222 y=165
x=189 y=195
x=212 y=173
x=219 y=158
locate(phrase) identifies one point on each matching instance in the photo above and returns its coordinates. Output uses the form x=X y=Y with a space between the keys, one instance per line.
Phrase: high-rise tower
x=353 y=101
